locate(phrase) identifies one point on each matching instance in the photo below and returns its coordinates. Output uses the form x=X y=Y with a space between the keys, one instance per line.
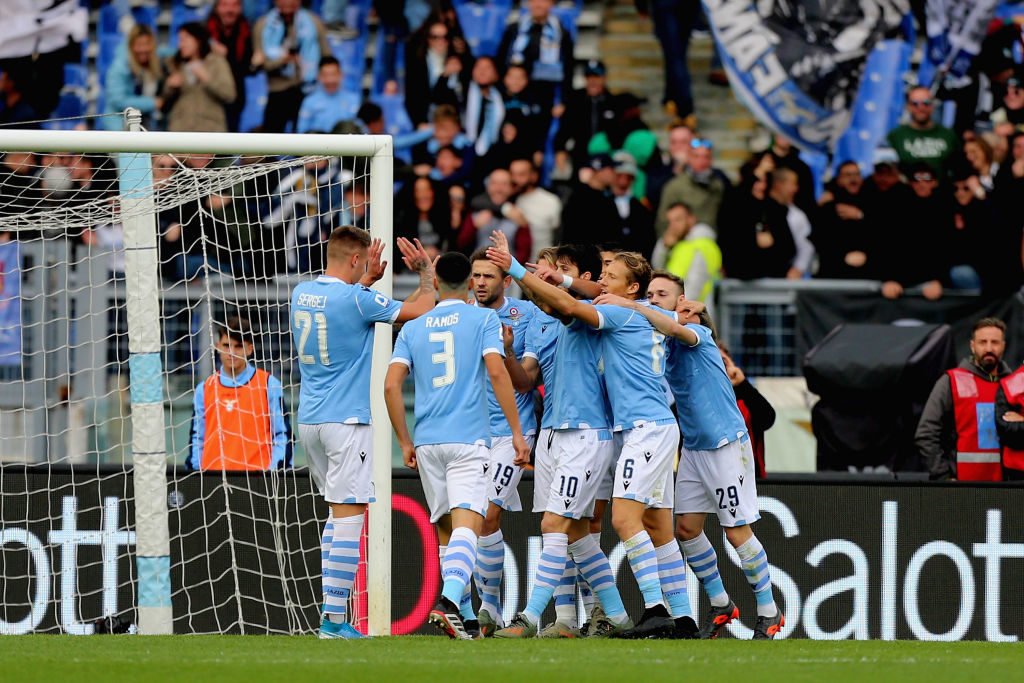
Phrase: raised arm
x=558 y=299
x=524 y=373
x=393 y=380
x=417 y=260
x=662 y=322
x=507 y=400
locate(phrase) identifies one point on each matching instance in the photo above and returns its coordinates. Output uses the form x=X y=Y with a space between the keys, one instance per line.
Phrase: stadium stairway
x=633 y=56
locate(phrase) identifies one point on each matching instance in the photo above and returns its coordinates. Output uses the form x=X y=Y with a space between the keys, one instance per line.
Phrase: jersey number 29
x=304 y=320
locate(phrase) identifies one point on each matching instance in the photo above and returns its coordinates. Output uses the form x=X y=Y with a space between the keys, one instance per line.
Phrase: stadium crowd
x=505 y=142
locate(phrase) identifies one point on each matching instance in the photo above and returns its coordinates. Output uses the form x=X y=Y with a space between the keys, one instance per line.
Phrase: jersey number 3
x=304 y=320
x=445 y=357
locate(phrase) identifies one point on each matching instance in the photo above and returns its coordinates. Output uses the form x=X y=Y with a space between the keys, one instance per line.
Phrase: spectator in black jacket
x=586 y=112
x=844 y=236
x=637 y=219
x=753 y=232
x=916 y=251
x=590 y=215
x=434 y=73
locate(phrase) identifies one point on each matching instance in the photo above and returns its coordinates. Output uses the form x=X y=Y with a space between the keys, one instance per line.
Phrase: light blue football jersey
x=517 y=314
x=541 y=340
x=634 y=364
x=581 y=401
x=332 y=330
x=444 y=350
x=705 y=400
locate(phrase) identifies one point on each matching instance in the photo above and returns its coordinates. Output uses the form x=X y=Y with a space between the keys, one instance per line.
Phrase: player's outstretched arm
x=393 y=381
x=417 y=260
x=507 y=400
x=374 y=267
x=524 y=374
x=558 y=299
x=661 y=321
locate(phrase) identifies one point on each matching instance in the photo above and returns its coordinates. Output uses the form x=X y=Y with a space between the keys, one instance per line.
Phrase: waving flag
x=798 y=64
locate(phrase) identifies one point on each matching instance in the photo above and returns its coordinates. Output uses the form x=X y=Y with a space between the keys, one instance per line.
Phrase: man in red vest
x=1010 y=423
x=957 y=434
x=238 y=423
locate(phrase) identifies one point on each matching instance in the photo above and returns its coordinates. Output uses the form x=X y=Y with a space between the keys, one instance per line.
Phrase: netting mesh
x=235 y=234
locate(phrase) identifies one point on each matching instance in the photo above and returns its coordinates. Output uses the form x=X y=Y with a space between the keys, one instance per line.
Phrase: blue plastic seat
x=483 y=26
x=181 y=15
x=352 y=55
x=255 y=102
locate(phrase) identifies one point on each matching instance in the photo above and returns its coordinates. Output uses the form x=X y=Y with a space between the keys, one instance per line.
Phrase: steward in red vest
x=238 y=422
x=1010 y=423
x=957 y=434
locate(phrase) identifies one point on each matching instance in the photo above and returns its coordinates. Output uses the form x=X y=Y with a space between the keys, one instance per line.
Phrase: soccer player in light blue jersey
x=332 y=321
x=448 y=351
x=633 y=358
x=716 y=470
x=569 y=473
x=489 y=284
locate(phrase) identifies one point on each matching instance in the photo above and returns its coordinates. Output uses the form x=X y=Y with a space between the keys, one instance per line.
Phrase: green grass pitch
x=253 y=659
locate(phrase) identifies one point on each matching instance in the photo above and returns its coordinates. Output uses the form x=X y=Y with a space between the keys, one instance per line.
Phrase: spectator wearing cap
x=590 y=215
x=673 y=21
x=542 y=209
x=928 y=225
x=544 y=47
x=637 y=219
x=1009 y=118
x=199 y=85
x=329 y=104
x=288 y=43
x=921 y=139
x=688 y=250
x=629 y=133
x=845 y=239
x=586 y=112
x=700 y=186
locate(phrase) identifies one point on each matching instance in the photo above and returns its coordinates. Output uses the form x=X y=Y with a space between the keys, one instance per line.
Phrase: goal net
x=149 y=469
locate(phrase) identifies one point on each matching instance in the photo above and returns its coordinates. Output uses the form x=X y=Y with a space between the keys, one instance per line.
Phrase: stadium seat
x=377 y=87
x=255 y=102
x=352 y=55
x=483 y=26
x=71 y=104
x=181 y=15
x=76 y=76
x=396 y=120
x=109 y=45
x=254 y=9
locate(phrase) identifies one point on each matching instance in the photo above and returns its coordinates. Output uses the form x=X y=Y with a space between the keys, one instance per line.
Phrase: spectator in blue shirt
x=329 y=103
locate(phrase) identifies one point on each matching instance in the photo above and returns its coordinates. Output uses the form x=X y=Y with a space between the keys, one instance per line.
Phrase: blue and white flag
x=10 y=304
x=797 y=64
x=956 y=29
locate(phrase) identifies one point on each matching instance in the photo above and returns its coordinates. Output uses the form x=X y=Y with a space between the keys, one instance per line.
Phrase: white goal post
x=133 y=150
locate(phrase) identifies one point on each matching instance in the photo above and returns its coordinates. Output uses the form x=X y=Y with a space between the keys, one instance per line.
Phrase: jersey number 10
x=304 y=320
